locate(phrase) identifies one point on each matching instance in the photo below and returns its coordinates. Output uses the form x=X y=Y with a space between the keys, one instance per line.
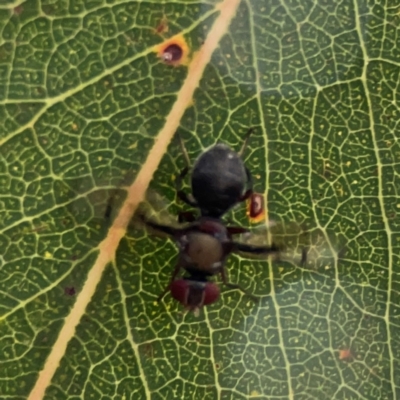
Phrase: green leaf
x=88 y=110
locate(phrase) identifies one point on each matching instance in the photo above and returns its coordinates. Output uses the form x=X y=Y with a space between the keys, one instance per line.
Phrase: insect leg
x=224 y=276
x=245 y=248
x=183 y=148
x=186 y=216
x=166 y=229
x=304 y=256
x=236 y=230
x=245 y=141
x=109 y=208
x=178 y=183
x=174 y=274
x=249 y=191
x=110 y=205
x=188 y=199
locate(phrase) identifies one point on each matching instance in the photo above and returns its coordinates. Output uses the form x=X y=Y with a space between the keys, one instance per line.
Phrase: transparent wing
x=299 y=245
x=155 y=209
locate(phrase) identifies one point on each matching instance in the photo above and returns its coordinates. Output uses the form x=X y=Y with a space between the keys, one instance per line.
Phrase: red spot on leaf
x=172 y=54
x=173 y=51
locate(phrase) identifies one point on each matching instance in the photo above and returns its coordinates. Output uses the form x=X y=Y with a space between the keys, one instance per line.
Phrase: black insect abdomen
x=218 y=180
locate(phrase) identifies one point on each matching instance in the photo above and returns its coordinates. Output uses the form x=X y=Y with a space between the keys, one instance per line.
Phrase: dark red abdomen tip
x=211 y=293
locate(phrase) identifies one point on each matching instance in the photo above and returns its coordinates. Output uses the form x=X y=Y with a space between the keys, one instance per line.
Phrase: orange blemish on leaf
x=255 y=208
x=173 y=51
x=345 y=354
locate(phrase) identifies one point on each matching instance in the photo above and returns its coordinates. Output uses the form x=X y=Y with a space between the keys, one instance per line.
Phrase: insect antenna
x=245 y=141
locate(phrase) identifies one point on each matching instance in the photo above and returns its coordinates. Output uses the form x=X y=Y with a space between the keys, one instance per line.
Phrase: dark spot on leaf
x=304 y=254
x=70 y=291
x=172 y=53
x=147 y=350
x=18 y=10
x=162 y=26
x=108 y=210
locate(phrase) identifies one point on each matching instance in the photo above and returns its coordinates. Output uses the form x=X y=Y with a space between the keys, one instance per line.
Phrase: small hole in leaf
x=172 y=53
